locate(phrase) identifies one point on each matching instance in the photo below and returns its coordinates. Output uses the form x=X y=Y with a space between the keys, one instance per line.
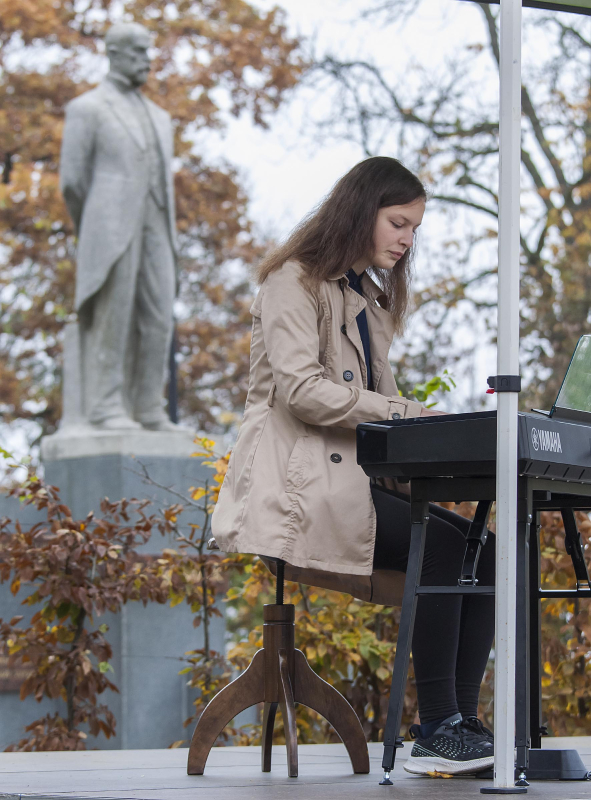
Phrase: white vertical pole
x=507 y=364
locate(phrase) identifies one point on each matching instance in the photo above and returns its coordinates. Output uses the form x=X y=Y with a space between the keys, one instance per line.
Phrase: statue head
x=127 y=48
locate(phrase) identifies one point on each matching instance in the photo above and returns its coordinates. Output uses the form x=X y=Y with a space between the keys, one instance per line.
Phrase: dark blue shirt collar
x=354 y=278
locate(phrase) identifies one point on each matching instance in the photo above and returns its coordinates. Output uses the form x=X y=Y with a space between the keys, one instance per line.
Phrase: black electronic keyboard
x=466 y=445
x=452 y=458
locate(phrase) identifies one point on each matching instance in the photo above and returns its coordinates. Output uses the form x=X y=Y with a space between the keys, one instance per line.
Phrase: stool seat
x=384 y=587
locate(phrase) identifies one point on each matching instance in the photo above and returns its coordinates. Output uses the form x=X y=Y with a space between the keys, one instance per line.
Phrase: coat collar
x=117 y=98
x=354 y=302
x=369 y=286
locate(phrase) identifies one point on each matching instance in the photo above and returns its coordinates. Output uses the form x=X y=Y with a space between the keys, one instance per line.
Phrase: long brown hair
x=339 y=232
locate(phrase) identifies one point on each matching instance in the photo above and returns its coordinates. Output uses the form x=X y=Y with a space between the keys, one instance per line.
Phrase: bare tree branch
x=441 y=129
x=493 y=34
x=462 y=201
x=537 y=179
x=530 y=113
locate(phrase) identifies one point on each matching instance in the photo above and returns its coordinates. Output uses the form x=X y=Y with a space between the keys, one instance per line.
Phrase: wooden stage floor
x=233 y=773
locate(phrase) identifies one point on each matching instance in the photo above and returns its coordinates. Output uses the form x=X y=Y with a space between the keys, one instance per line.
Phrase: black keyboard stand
x=475 y=541
x=534 y=495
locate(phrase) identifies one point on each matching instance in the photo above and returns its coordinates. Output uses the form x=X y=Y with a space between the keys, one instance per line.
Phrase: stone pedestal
x=86 y=441
x=88 y=465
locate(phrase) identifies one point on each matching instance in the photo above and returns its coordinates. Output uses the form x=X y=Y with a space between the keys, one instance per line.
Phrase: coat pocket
x=297 y=464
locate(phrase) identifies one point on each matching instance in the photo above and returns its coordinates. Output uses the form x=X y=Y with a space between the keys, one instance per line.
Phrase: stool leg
x=267 y=735
x=289 y=717
x=279 y=588
x=312 y=691
x=247 y=690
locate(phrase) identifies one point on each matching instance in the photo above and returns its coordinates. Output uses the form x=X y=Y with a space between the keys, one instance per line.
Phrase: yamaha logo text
x=546 y=440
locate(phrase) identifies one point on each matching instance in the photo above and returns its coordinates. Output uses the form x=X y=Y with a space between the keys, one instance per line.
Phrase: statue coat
x=104 y=178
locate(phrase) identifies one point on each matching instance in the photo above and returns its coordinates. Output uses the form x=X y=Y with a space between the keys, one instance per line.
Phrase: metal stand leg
x=550 y=764
x=522 y=672
x=475 y=541
x=535 y=636
x=574 y=547
x=419 y=511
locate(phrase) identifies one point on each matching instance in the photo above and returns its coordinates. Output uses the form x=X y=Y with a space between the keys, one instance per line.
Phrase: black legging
x=453 y=635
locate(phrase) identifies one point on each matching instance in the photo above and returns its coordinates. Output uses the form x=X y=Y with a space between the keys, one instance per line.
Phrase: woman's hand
x=395 y=486
x=431 y=412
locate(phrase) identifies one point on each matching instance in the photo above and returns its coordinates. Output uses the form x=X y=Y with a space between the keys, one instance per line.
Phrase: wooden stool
x=279 y=674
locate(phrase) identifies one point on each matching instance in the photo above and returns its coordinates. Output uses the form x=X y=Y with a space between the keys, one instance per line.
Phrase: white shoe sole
x=423 y=765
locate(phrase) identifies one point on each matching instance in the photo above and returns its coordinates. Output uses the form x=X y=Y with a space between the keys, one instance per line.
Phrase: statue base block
x=88 y=464
x=84 y=441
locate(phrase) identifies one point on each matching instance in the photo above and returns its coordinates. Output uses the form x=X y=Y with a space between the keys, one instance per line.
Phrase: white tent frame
x=507 y=364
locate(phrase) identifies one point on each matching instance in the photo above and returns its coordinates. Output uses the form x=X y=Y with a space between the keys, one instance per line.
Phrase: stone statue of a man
x=117 y=183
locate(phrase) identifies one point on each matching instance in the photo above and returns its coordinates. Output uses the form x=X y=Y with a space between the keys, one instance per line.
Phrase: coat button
x=336 y=458
x=395 y=415
x=343 y=329
x=348 y=375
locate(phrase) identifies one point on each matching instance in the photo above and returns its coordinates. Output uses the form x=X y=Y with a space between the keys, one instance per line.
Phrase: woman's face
x=394 y=232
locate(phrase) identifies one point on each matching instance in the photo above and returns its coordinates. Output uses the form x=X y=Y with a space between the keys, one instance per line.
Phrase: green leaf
x=63 y=609
x=444 y=383
x=364 y=650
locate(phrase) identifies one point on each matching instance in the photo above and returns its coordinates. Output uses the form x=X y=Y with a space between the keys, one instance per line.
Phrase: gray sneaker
x=452 y=750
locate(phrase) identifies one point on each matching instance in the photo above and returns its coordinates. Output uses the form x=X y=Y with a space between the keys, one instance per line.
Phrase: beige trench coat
x=293 y=489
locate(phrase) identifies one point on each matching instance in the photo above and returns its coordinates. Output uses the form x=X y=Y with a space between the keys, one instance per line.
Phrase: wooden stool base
x=278 y=675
